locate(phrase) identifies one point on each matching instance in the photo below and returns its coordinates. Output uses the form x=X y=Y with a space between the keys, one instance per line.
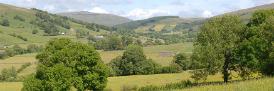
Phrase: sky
x=142 y=9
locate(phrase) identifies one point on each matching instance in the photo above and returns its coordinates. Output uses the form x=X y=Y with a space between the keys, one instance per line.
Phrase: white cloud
x=49 y=8
x=30 y=0
x=207 y=14
x=139 y=13
x=98 y=10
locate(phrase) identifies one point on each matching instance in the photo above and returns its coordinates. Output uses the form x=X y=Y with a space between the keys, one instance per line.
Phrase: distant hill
x=32 y=26
x=103 y=19
x=245 y=14
x=159 y=23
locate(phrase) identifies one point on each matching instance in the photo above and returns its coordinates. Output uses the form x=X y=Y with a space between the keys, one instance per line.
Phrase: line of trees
x=49 y=22
x=18 y=50
x=228 y=45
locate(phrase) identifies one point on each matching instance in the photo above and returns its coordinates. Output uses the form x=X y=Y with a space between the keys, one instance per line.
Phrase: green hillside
x=28 y=26
x=161 y=23
x=103 y=19
x=245 y=14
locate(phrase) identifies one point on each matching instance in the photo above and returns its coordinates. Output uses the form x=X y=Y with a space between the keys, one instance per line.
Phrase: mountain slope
x=103 y=19
x=23 y=22
x=245 y=14
x=159 y=23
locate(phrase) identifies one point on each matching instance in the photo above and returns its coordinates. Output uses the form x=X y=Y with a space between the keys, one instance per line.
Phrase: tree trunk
x=226 y=74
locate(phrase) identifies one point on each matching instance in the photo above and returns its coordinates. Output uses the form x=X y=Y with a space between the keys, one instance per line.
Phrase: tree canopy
x=63 y=64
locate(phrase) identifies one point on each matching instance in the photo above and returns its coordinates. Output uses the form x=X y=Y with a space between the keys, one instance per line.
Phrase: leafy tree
x=259 y=40
x=64 y=63
x=181 y=60
x=81 y=33
x=133 y=62
x=217 y=38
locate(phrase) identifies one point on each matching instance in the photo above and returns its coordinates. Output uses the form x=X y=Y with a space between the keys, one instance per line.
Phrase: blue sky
x=141 y=9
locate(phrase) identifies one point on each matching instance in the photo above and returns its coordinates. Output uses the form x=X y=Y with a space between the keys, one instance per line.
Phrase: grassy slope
x=104 y=19
x=25 y=28
x=158 y=22
x=245 y=14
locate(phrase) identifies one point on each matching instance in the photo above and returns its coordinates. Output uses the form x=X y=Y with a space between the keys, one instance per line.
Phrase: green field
x=266 y=84
x=117 y=83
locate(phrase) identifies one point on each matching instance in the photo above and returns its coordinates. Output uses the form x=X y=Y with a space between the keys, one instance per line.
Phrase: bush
x=35 y=31
x=8 y=74
x=129 y=88
x=170 y=86
x=17 y=17
x=33 y=48
x=3 y=54
x=18 y=50
x=181 y=60
x=171 y=69
x=5 y=22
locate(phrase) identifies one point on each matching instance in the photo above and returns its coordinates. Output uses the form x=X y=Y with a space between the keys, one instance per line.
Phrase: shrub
x=5 y=22
x=33 y=48
x=171 y=69
x=18 y=50
x=8 y=74
x=17 y=17
x=35 y=31
x=170 y=86
x=3 y=54
x=181 y=60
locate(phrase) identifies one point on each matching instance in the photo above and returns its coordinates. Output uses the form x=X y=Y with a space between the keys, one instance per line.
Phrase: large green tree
x=63 y=64
x=133 y=62
x=215 y=43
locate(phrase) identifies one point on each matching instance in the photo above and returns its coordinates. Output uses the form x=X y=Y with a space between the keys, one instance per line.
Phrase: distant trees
x=49 y=22
x=18 y=50
x=63 y=64
x=81 y=33
x=133 y=62
x=112 y=42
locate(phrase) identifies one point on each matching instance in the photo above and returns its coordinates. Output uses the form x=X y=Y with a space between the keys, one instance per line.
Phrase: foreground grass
x=265 y=84
x=117 y=83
